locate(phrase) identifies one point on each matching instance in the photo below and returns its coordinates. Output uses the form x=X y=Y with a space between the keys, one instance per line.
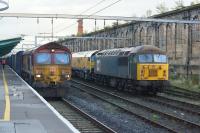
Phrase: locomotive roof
x=51 y=45
x=132 y=50
x=19 y=52
x=84 y=53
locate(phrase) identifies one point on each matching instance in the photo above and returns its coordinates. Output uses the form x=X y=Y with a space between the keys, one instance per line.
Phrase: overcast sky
x=16 y=26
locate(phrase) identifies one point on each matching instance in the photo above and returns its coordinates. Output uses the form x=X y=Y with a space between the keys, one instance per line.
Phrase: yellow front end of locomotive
x=152 y=71
x=49 y=74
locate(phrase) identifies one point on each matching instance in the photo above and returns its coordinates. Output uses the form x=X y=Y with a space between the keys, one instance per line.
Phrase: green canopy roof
x=7 y=45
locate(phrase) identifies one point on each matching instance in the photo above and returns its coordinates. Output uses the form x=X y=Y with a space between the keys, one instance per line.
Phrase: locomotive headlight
x=38 y=76
x=67 y=76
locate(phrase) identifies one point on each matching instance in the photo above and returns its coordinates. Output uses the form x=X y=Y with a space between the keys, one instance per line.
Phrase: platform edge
x=65 y=121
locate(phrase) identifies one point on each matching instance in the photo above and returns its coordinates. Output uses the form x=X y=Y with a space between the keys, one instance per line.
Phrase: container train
x=47 y=68
x=140 y=69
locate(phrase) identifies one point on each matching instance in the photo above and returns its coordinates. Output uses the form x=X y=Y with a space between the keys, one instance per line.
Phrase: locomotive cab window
x=147 y=58
x=135 y=58
x=61 y=58
x=43 y=58
x=93 y=58
x=160 y=58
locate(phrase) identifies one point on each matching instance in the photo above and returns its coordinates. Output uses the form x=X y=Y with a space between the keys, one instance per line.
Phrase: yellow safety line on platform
x=7 y=99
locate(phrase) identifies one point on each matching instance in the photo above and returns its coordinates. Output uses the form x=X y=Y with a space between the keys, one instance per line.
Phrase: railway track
x=154 y=116
x=169 y=102
x=81 y=120
x=185 y=106
x=180 y=92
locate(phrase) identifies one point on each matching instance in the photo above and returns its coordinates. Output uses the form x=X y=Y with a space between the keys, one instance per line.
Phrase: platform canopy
x=7 y=45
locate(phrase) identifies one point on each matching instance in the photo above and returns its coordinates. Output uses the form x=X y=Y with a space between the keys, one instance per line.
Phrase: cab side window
x=135 y=58
x=93 y=58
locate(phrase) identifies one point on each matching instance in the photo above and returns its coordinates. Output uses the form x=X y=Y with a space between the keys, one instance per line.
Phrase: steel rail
x=90 y=118
x=191 y=124
x=132 y=113
x=190 y=92
x=172 y=106
x=180 y=102
x=182 y=94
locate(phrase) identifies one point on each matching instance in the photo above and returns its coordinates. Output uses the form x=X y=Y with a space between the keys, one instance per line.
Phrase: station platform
x=23 y=110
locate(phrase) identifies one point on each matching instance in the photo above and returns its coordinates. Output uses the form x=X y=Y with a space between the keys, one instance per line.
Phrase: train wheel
x=119 y=86
x=105 y=82
x=30 y=80
x=153 y=93
x=133 y=91
x=85 y=76
x=101 y=81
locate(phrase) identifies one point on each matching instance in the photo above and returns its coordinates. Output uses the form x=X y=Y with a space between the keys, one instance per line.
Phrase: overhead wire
x=92 y=14
x=92 y=7
x=105 y=7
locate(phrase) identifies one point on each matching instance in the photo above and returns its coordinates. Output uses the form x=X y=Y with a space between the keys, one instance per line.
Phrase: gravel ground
x=173 y=111
x=169 y=110
x=152 y=115
x=109 y=115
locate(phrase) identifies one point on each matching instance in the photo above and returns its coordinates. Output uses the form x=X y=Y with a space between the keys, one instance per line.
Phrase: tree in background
x=194 y=2
x=161 y=8
x=115 y=24
x=178 y=4
x=148 y=13
x=85 y=32
x=134 y=15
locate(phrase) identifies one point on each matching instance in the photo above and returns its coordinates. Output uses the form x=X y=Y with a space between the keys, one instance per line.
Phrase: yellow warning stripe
x=7 y=99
